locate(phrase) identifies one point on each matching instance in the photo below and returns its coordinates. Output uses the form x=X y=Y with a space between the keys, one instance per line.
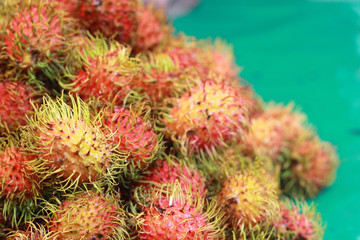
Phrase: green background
x=307 y=52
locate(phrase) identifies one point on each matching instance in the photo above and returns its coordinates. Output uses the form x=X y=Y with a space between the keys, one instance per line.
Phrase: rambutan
x=32 y=37
x=89 y=216
x=112 y=18
x=206 y=57
x=298 y=221
x=133 y=136
x=294 y=123
x=19 y=186
x=169 y=171
x=176 y=214
x=33 y=232
x=16 y=99
x=163 y=79
x=250 y=198
x=265 y=138
x=210 y=115
x=151 y=28
x=68 y=141
x=313 y=168
x=106 y=71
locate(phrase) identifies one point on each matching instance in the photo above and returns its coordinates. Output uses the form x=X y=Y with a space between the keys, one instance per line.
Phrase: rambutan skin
x=179 y=215
x=89 y=216
x=30 y=34
x=250 y=198
x=18 y=181
x=170 y=171
x=67 y=141
x=16 y=100
x=298 y=220
x=132 y=136
x=210 y=115
x=105 y=71
x=265 y=138
x=112 y=18
x=314 y=165
x=72 y=146
x=149 y=31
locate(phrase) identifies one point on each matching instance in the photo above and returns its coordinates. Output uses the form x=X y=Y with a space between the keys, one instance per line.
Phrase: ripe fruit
x=112 y=18
x=265 y=138
x=106 y=71
x=313 y=167
x=250 y=198
x=15 y=104
x=67 y=141
x=19 y=187
x=298 y=221
x=133 y=136
x=150 y=29
x=168 y=171
x=210 y=115
x=163 y=79
x=179 y=215
x=89 y=216
x=33 y=37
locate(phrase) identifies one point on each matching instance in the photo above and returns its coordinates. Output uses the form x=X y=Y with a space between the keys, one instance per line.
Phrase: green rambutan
x=250 y=198
x=299 y=221
x=16 y=99
x=89 y=215
x=174 y=214
x=106 y=71
x=68 y=142
x=210 y=115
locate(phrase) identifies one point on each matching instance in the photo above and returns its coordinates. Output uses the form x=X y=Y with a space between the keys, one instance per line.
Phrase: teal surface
x=307 y=52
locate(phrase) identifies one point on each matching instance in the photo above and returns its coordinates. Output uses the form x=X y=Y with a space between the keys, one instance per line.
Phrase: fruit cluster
x=114 y=127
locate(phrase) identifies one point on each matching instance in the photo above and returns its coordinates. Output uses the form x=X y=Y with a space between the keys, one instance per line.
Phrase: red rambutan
x=212 y=114
x=16 y=100
x=179 y=215
x=169 y=171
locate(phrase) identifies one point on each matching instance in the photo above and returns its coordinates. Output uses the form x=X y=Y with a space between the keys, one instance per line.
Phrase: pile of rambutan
x=114 y=127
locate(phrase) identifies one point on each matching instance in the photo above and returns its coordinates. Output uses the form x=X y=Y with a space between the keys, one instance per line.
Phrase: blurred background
x=302 y=51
